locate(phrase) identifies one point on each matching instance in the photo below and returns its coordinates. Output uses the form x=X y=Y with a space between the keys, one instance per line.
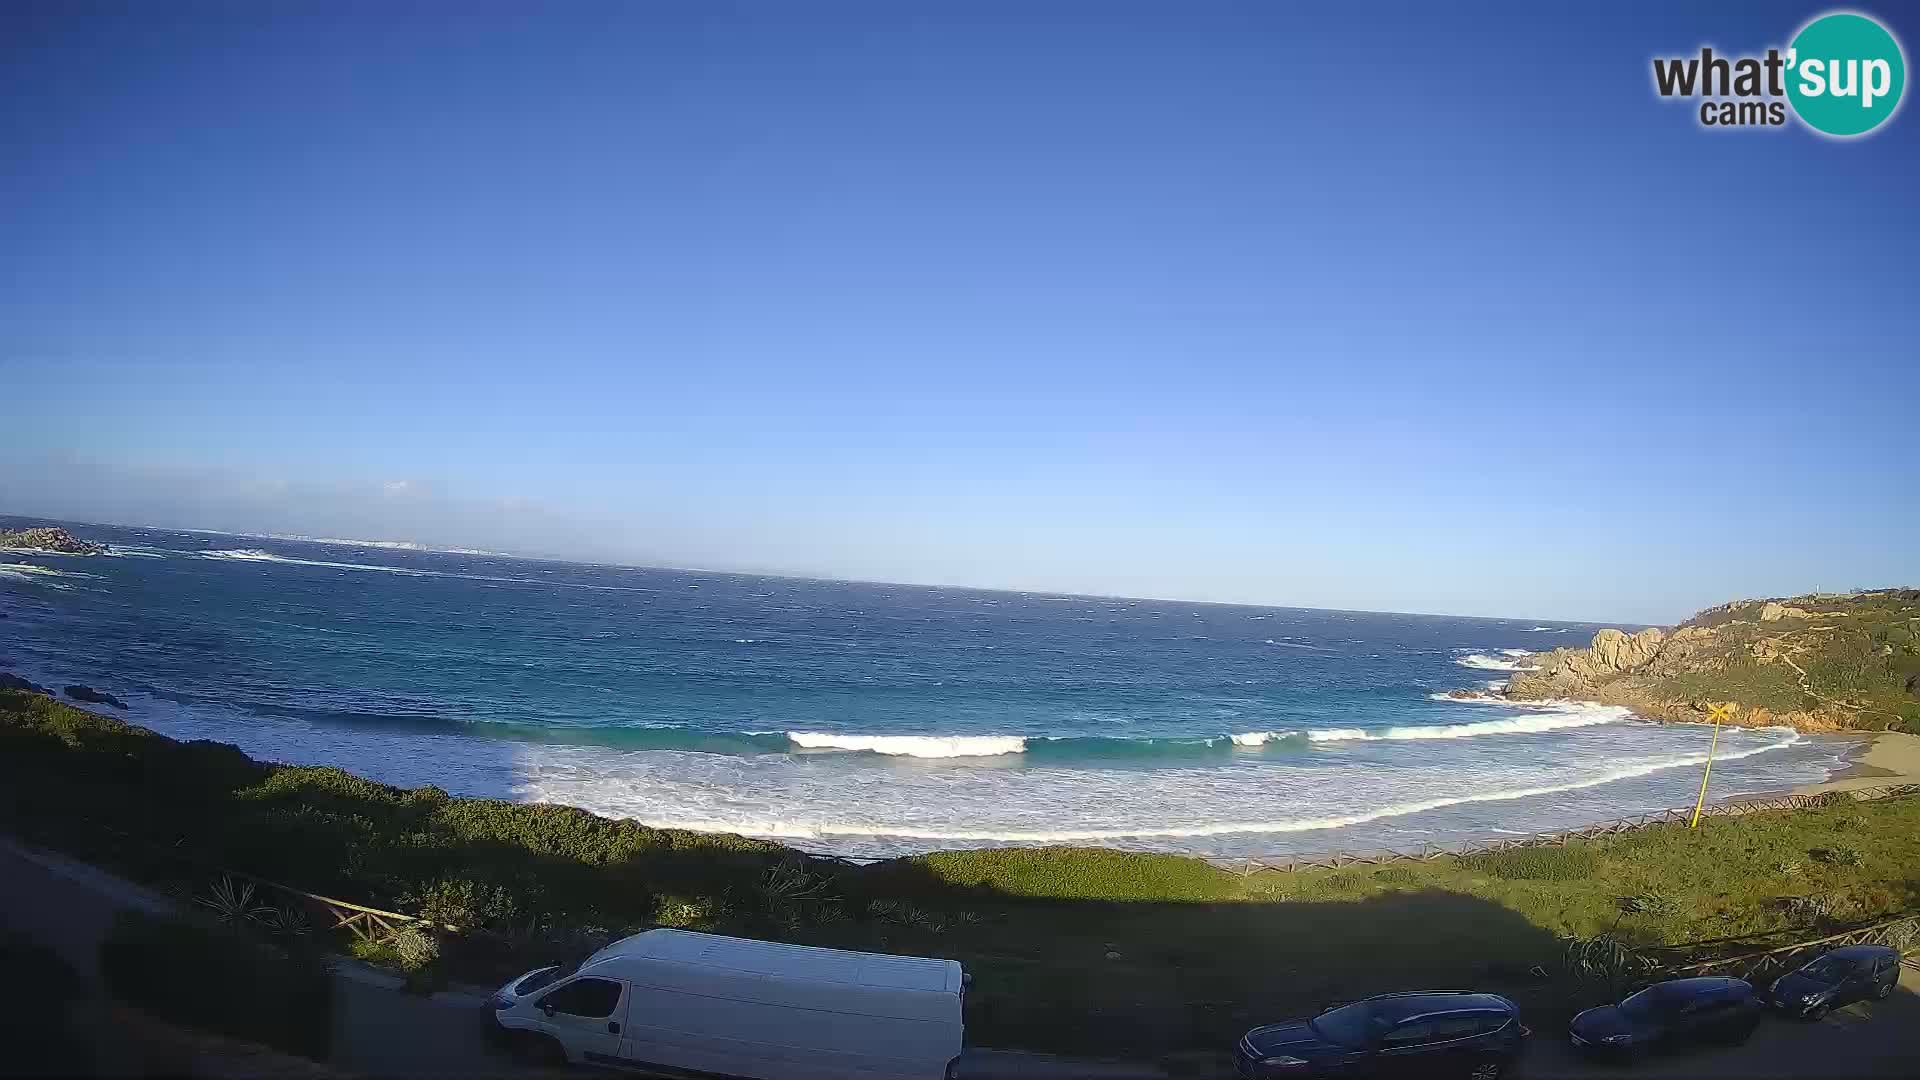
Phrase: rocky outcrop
x=58 y=541
x=93 y=697
x=1579 y=673
x=1774 y=659
x=10 y=681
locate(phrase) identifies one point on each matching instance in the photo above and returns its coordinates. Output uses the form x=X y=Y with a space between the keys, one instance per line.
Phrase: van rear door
x=588 y=1015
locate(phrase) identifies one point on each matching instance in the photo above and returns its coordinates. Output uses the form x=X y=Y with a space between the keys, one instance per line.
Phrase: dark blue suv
x=1420 y=1033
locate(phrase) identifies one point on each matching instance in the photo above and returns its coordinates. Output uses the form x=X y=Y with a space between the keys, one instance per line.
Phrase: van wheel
x=1486 y=1070
x=1818 y=1012
x=1882 y=993
x=544 y=1050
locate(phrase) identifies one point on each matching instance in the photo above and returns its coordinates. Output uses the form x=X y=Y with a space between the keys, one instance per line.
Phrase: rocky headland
x=57 y=541
x=1819 y=663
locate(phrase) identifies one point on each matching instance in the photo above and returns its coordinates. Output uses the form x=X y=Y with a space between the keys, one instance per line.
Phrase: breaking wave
x=820 y=830
x=259 y=556
x=920 y=746
x=39 y=575
x=1495 y=663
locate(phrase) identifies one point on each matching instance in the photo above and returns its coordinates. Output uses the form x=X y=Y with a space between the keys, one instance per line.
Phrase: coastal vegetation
x=1071 y=949
x=218 y=979
x=1822 y=662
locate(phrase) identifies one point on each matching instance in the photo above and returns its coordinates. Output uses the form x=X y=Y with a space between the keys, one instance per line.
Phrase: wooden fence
x=258 y=898
x=1764 y=966
x=1249 y=866
x=366 y=923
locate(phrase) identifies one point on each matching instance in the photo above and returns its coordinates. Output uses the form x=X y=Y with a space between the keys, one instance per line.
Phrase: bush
x=1654 y=902
x=469 y=905
x=1811 y=909
x=489 y=862
x=218 y=980
x=1397 y=875
x=1839 y=855
x=690 y=912
x=1536 y=863
x=415 y=948
x=1063 y=873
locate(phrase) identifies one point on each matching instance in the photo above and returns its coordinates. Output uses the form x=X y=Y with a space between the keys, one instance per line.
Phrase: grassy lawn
x=1071 y=949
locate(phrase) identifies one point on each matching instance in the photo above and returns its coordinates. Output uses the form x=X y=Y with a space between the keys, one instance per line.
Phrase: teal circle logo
x=1845 y=74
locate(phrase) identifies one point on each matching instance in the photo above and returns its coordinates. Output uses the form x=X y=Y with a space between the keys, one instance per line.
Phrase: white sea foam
x=40 y=575
x=785 y=796
x=134 y=551
x=920 y=746
x=1545 y=630
x=259 y=556
x=1530 y=724
x=820 y=830
x=1516 y=652
x=1494 y=663
x=1558 y=716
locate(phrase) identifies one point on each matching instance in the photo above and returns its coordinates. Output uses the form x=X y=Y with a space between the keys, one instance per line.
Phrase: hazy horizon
x=402 y=543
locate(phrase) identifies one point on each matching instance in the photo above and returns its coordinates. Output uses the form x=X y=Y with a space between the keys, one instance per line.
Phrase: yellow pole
x=1719 y=713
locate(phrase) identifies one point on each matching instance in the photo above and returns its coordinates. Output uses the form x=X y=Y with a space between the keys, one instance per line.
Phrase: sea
x=859 y=719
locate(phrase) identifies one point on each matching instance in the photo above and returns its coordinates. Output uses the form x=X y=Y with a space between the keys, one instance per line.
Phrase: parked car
x=677 y=1002
x=1837 y=979
x=1419 y=1033
x=1671 y=1015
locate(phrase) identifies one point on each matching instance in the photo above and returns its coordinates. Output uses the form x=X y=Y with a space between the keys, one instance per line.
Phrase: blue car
x=1423 y=1033
x=1669 y=1016
x=1837 y=979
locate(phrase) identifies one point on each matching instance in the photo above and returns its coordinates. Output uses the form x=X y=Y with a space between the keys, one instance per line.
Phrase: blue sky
x=1366 y=307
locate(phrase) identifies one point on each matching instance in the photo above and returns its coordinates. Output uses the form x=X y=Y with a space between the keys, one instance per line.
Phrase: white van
x=681 y=1003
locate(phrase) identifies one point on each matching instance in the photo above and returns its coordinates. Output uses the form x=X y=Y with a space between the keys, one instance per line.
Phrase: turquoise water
x=862 y=719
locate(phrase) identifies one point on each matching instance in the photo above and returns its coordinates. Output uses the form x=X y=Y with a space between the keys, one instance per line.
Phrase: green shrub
x=415 y=948
x=467 y=904
x=1655 y=902
x=490 y=862
x=217 y=979
x=687 y=912
x=1839 y=855
x=1811 y=909
x=1536 y=863
x=1067 y=873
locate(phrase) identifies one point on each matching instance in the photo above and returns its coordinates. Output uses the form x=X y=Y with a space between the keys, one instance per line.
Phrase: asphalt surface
x=1867 y=1039
x=381 y=1032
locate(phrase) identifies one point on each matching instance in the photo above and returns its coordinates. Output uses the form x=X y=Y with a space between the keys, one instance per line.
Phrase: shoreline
x=1882 y=758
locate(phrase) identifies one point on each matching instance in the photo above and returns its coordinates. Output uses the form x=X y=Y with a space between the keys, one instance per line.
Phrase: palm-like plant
x=231 y=903
x=285 y=922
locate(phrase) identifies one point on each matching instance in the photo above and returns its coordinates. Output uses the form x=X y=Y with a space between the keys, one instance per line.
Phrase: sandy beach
x=1885 y=758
